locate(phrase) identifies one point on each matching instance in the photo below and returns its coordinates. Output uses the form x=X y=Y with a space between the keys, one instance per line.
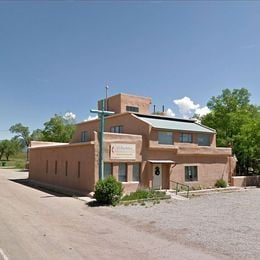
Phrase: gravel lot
x=40 y=225
x=226 y=223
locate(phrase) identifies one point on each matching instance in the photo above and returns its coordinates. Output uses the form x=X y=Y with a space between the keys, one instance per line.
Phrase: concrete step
x=176 y=197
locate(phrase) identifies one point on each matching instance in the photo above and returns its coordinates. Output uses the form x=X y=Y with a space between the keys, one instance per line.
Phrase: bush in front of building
x=108 y=191
x=220 y=183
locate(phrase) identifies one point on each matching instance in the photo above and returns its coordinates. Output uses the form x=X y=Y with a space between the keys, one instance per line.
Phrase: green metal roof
x=175 y=124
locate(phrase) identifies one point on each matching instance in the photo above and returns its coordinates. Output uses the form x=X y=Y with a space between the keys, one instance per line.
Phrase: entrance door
x=157 y=176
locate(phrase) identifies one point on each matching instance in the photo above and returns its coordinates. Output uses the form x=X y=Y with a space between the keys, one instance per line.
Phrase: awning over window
x=162 y=161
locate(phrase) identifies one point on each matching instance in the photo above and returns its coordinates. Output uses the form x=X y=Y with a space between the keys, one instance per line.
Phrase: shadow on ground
x=50 y=191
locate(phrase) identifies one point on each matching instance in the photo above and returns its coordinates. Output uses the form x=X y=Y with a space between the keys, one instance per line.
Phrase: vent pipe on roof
x=163 y=108
x=154 y=106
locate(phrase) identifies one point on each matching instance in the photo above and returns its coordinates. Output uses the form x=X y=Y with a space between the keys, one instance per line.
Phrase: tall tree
x=37 y=135
x=13 y=147
x=237 y=124
x=9 y=147
x=22 y=134
x=3 y=145
x=58 y=129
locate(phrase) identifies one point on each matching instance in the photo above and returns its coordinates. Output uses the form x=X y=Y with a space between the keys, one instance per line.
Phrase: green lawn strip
x=144 y=195
x=18 y=161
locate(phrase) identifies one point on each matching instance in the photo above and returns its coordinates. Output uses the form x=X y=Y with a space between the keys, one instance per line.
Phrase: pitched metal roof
x=174 y=124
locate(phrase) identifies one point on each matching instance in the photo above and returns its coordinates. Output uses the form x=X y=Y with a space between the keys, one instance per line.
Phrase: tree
x=9 y=147
x=22 y=134
x=58 y=129
x=3 y=145
x=12 y=147
x=237 y=123
x=37 y=135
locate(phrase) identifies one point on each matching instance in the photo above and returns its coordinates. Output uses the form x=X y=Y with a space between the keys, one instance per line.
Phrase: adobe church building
x=140 y=150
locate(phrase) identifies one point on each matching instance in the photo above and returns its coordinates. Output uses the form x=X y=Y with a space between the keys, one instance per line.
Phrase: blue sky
x=57 y=57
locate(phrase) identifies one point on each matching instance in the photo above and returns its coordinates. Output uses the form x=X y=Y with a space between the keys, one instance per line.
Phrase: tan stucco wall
x=131 y=126
x=243 y=181
x=83 y=153
x=210 y=168
x=153 y=138
x=119 y=102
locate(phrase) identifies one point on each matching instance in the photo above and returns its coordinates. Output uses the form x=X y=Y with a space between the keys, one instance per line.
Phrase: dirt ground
x=39 y=225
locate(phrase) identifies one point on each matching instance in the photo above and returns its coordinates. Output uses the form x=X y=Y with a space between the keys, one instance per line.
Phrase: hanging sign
x=122 y=151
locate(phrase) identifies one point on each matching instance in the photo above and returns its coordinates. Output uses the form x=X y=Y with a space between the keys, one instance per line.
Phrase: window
x=191 y=173
x=132 y=109
x=107 y=170
x=185 y=138
x=136 y=172
x=84 y=136
x=165 y=138
x=203 y=140
x=117 y=129
x=56 y=167
x=122 y=172
x=66 y=168
x=47 y=166
x=78 y=169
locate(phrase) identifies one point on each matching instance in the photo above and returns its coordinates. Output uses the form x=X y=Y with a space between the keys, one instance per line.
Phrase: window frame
x=191 y=173
x=84 y=136
x=161 y=133
x=47 y=166
x=132 y=109
x=188 y=140
x=66 y=168
x=134 y=173
x=124 y=179
x=56 y=167
x=208 y=143
x=111 y=169
x=117 y=129
x=79 y=169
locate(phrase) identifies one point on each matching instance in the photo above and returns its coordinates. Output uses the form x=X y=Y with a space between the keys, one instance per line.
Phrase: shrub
x=19 y=165
x=108 y=191
x=220 y=183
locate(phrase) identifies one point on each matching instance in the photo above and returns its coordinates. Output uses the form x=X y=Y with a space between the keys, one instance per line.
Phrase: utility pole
x=106 y=96
x=101 y=114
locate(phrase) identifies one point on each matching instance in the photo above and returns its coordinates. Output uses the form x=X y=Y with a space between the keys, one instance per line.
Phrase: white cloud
x=187 y=107
x=202 y=111
x=169 y=112
x=91 y=118
x=69 y=116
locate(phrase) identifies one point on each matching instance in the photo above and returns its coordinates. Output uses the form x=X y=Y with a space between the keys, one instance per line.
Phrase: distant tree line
x=58 y=129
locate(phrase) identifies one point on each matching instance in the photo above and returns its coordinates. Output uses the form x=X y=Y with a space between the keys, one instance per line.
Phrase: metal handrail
x=181 y=184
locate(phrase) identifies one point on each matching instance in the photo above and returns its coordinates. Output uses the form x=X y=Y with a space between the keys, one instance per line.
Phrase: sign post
x=101 y=113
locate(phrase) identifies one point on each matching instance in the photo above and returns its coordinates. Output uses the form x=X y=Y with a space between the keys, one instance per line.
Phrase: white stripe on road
x=2 y=253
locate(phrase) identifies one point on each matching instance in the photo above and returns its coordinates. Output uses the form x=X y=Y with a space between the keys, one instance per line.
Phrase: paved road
x=38 y=225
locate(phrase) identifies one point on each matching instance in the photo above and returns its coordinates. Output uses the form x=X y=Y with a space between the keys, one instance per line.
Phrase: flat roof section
x=162 y=161
x=171 y=124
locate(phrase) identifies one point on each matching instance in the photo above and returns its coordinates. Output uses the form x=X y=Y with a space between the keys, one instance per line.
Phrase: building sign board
x=122 y=151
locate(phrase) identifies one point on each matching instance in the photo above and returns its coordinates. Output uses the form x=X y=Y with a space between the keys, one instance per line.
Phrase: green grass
x=17 y=161
x=143 y=194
